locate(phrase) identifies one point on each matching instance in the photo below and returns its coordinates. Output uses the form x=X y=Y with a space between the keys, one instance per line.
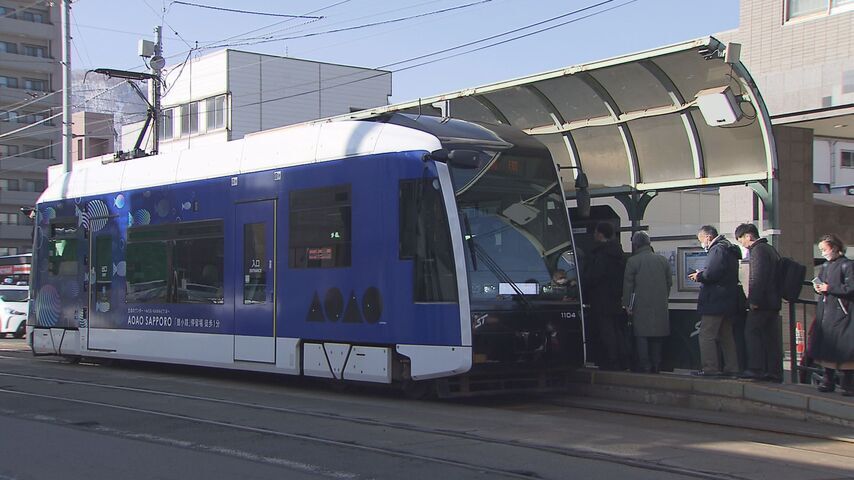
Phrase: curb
x=720 y=395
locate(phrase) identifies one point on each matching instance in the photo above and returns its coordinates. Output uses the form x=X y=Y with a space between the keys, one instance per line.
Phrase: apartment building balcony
x=11 y=197
x=44 y=100
x=28 y=166
x=30 y=30
x=16 y=62
x=16 y=232
x=36 y=132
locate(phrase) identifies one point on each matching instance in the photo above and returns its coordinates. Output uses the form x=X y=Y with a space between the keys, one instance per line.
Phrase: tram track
x=591 y=455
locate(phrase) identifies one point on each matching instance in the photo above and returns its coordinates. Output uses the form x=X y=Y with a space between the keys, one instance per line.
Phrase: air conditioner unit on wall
x=719 y=106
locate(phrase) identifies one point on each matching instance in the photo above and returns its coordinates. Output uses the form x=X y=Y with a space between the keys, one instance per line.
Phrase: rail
x=799 y=372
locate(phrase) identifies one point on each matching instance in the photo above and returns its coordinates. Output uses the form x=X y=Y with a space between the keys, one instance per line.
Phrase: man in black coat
x=763 y=334
x=603 y=287
x=717 y=303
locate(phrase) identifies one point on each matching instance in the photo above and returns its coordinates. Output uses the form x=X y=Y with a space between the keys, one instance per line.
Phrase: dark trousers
x=763 y=337
x=613 y=340
x=649 y=353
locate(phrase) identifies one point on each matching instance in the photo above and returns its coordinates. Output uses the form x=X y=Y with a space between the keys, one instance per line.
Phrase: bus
x=15 y=269
x=398 y=250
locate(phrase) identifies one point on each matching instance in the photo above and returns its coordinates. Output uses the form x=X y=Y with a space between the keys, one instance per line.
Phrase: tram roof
x=631 y=122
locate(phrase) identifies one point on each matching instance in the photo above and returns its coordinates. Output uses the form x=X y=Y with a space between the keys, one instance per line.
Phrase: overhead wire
x=234 y=10
x=355 y=27
x=576 y=11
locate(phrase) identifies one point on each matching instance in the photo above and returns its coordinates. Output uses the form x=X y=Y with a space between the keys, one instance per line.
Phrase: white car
x=14 y=305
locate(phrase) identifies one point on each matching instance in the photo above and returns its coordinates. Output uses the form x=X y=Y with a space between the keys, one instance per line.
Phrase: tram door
x=255 y=292
x=100 y=287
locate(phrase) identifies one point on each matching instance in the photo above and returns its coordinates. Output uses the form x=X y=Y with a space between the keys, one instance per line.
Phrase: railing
x=800 y=373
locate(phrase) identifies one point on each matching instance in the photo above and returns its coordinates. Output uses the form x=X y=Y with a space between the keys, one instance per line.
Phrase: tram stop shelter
x=635 y=125
x=680 y=117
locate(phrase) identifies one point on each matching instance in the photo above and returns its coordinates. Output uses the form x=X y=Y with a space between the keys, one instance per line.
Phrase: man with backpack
x=762 y=330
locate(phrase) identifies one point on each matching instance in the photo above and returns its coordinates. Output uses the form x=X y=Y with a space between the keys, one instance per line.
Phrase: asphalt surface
x=131 y=420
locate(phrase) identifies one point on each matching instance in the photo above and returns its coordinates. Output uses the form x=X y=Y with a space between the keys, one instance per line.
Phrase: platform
x=684 y=392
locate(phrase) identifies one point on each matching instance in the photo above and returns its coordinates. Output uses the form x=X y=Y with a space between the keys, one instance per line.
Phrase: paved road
x=59 y=420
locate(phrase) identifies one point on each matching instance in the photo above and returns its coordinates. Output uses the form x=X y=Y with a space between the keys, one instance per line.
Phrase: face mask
x=561 y=281
x=829 y=256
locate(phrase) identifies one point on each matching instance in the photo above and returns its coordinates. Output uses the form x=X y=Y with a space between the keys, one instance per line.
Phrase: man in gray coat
x=646 y=291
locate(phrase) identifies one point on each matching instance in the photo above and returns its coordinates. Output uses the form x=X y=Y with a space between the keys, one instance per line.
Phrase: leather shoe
x=826 y=387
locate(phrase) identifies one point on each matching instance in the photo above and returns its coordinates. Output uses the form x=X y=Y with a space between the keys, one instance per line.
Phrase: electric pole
x=156 y=66
x=66 y=86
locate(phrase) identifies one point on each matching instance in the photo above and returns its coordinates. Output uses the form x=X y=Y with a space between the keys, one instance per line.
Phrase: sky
x=105 y=33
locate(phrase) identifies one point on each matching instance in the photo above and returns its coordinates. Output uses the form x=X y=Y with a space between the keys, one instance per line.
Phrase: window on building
x=9 y=184
x=176 y=263
x=37 y=151
x=9 y=218
x=320 y=226
x=848 y=81
x=31 y=15
x=846 y=158
x=215 y=108
x=9 y=150
x=7 y=12
x=166 y=123
x=8 y=47
x=33 y=185
x=9 y=82
x=190 y=118
x=806 y=8
x=9 y=251
x=34 y=51
x=35 y=84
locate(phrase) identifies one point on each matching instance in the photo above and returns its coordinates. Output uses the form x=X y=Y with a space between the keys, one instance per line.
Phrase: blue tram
x=393 y=250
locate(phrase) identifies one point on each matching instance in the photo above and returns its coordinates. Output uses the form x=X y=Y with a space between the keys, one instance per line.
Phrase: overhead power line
x=347 y=29
x=518 y=37
x=248 y=12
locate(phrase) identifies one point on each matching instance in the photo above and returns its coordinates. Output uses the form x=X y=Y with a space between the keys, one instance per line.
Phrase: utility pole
x=66 y=86
x=156 y=66
x=154 y=51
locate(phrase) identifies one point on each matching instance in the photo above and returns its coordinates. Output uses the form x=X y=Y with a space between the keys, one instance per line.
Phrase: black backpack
x=790 y=278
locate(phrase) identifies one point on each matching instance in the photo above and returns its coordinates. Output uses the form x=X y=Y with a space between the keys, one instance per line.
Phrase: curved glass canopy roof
x=632 y=123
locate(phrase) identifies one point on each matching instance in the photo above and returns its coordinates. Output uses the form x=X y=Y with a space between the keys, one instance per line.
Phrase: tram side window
x=198 y=270
x=320 y=226
x=176 y=263
x=426 y=238
x=62 y=250
x=147 y=271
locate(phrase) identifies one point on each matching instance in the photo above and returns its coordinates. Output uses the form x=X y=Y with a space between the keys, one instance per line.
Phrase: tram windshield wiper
x=496 y=270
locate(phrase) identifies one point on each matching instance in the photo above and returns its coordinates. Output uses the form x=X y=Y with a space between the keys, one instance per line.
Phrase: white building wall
x=347 y=88
x=822 y=165
x=198 y=79
x=244 y=73
x=289 y=91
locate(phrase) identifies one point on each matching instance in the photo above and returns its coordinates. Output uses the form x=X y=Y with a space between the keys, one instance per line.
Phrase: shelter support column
x=636 y=204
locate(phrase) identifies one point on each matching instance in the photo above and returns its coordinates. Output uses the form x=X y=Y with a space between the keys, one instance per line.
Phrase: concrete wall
x=795 y=168
x=798 y=64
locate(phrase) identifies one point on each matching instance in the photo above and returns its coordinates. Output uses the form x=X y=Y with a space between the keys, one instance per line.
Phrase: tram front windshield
x=515 y=227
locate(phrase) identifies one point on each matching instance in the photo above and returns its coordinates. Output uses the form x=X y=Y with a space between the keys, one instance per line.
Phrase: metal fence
x=801 y=313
